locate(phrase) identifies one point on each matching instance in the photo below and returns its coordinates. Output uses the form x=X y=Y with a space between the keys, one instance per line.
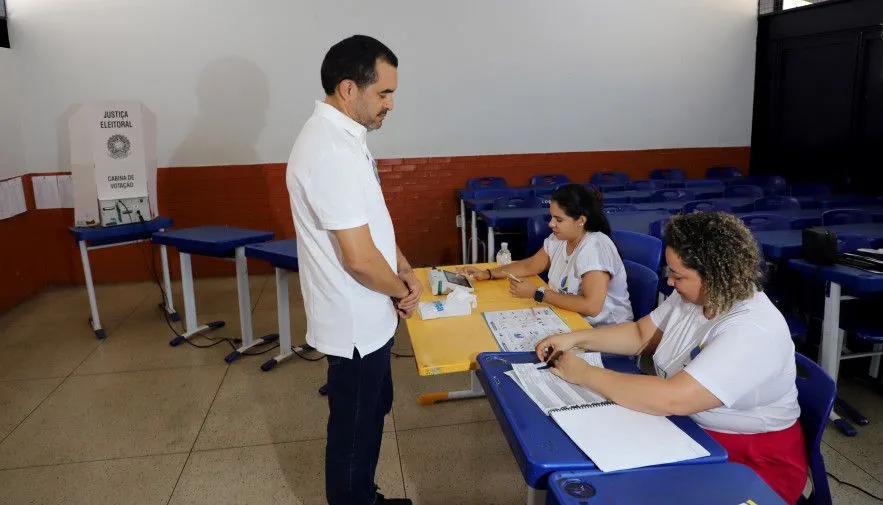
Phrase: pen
x=550 y=361
x=516 y=279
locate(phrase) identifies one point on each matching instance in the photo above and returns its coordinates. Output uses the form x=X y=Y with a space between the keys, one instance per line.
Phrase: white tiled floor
x=133 y=421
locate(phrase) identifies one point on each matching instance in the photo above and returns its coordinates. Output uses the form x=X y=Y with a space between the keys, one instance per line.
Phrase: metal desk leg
x=832 y=342
x=245 y=309
x=463 y=229
x=169 y=304
x=490 y=244
x=536 y=496
x=90 y=290
x=190 y=323
x=474 y=226
x=283 y=313
x=475 y=391
x=874 y=370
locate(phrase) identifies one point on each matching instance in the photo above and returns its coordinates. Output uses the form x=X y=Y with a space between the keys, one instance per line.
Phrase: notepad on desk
x=614 y=437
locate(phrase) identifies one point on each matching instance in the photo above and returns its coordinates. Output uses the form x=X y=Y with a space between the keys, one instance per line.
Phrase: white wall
x=12 y=152
x=232 y=82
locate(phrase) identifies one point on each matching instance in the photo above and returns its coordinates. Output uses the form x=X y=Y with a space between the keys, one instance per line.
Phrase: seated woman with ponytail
x=586 y=274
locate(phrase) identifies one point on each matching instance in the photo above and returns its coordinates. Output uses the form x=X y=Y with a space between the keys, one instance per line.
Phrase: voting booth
x=113 y=163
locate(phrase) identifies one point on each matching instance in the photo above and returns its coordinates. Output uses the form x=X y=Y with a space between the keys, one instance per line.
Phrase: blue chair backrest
x=638 y=247
x=618 y=208
x=486 y=182
x=810 y=189
x=850 y=242
x=723 y=173
x=760 y=221
x=610 y=178
x=771 y=184
x=672 y=195
x=845 y=216
x=646 y=185
x=642 y=283
x=777 y=202
x=706 y=206
x=549 y=180
x=497 y=193
x=545 y=191
x=815 y=394
x=745 y=191
x=513 y=202
x=669 y=174
x=657 y=228
x=537 y=231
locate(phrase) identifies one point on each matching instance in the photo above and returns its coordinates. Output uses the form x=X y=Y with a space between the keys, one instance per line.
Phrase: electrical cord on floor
x=854 y=486
x=397 y=355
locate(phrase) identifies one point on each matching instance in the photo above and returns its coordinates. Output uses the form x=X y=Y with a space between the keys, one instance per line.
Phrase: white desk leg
x=248 y=340
x=475 y=391
x=284 y=321
x=830 y=352
x=490 y=244
x=474 y=227
x=190 y=323
x=463 y=229
x=167 y=284
x=536 y=496
x=90 y=290
x=874 y=369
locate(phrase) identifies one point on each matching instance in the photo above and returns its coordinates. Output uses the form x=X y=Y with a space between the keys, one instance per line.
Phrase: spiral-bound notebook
x=616 y=438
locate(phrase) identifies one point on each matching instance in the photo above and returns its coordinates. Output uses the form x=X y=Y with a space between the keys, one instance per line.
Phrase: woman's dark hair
x=354 y=58
x=576 y=200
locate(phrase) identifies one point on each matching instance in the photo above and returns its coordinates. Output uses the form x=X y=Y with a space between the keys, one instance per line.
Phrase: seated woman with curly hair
x=723 y=352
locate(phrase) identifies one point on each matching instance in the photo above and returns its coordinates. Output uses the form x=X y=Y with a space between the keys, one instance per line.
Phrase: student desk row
x=225 y=242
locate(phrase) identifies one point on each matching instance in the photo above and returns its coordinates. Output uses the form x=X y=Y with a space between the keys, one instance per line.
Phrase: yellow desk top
x=451 y=344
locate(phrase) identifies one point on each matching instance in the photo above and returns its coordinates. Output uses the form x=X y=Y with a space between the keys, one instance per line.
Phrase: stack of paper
x=549 y=391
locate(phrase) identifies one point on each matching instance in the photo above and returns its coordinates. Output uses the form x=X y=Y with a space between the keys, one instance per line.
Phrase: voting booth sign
x=113 y=163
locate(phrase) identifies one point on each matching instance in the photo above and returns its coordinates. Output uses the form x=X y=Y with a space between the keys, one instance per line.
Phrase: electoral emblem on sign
x=118 y=146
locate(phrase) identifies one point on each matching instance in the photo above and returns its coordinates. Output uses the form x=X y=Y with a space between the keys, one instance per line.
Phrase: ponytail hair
x=577 y=200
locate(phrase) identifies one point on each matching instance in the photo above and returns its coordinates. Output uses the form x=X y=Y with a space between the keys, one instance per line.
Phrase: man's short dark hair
x=354 y=58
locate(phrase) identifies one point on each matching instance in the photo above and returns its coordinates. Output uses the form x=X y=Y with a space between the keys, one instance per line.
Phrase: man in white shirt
x=355 y=280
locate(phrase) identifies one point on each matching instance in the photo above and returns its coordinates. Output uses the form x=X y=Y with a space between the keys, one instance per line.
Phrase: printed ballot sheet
x=521 y=330
x=551 y=392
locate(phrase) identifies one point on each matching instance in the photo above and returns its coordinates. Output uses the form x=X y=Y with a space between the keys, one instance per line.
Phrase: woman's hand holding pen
x=555 y=344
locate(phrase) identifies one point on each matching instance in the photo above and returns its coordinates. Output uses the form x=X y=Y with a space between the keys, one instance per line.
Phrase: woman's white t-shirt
x=745 y=358
x=596 y=252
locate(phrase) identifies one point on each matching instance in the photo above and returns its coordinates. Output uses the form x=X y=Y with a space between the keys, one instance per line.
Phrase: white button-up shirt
x=332 y=182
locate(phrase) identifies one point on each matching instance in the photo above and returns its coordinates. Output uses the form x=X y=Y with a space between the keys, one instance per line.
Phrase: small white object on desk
x=459 y=302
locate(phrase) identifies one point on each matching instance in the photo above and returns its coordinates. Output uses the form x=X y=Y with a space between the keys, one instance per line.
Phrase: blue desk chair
x=537 y=231
x=609 y=181
x=845 y=216
x=658 y=227
x=706 y=206
x=759 y=221
x=810 y=189
x=744 y=191
x=513 y=202
x=549 y=180
x=646 y=185
x=776 y=203
x=618 y=208
x=816 y=392
x=486 y=183
x=669 y=174
x=541 y=202
x=705 y=184
x=496 y=192
x=642 y=284
x=771 y=184
x=672 y=195
x=723 y=173
x=640 y=248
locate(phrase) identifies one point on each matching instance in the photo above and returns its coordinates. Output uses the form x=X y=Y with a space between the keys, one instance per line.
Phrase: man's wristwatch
x=539 y=295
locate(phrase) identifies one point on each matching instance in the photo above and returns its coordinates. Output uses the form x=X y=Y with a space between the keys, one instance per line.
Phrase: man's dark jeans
x=359 y=397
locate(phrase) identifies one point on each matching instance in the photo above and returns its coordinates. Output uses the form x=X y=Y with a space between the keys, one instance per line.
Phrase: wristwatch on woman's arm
x=539 y=295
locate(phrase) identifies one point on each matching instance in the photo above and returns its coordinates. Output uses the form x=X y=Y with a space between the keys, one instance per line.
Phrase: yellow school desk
x=451 y=344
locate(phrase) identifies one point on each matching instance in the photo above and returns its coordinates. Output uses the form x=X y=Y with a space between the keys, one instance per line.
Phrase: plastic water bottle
x=504 y=257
